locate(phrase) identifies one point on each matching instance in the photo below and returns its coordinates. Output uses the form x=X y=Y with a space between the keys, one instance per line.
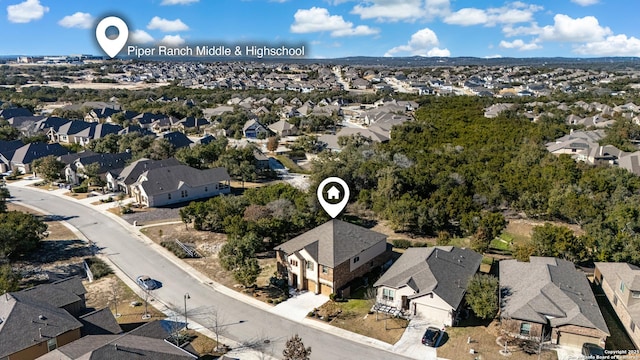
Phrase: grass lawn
x=483 y=341
x=501 y=244
x=291 y=165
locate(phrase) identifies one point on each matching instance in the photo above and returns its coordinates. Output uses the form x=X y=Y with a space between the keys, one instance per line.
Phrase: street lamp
x=186 y=296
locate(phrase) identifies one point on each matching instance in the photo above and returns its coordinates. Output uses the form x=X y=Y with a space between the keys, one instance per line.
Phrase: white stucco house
x=429 y=283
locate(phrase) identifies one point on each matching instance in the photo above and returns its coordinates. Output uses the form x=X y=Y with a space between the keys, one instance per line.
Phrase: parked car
x=147 y=283
x=589 y=349
x=431 y=336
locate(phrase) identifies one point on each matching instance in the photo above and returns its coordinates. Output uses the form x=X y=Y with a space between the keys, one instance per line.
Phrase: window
x=310 y=265
x=635 y=294
x=206 y=189
x=293 y=262
x=52 y=344
x=169 y=196
x=325 y=269
x=525 y=329
x=356 y=259
x=388 y=294
x=615 y=300
x=622 y=286
x=633 y=326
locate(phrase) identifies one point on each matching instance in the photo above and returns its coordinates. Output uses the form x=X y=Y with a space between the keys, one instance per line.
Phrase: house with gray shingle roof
x=122 y=180
x=180 y=183
x=549 y=299
x=429 y=283
x=283 y=128
x=620 y=283
x=326 y=258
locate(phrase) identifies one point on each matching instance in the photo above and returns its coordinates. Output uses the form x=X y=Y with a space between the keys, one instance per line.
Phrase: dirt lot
x=521 y=229
x=208 y=244
x=483 y=341
x=104 y=292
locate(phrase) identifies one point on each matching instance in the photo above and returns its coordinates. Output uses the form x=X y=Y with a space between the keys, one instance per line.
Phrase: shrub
x=98 y=267
x=402 y=243
x=126 y=209
x=174 y=248
x=79 y=189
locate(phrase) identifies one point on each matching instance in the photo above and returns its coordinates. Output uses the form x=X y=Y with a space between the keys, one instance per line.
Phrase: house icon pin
x=333 y=193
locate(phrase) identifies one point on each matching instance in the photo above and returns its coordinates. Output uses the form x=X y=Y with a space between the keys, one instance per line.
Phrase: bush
x=401 y=243
x=98 y=267
x=126 y=209
x=80 y=189
x=174 y=248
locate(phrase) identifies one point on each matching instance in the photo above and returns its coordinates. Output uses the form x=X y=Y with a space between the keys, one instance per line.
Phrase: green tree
x=49 y=168
x=20 y=233
x=482 y=295
x=238 y=255
x=91 y=171
x=557 y=241
x=294 y=349
x=9 y=279
x=4 y=195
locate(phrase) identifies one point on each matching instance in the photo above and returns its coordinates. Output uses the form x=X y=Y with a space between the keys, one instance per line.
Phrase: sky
x=335 y=28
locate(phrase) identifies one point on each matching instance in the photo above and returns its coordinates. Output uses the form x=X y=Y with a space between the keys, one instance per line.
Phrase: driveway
x=567 y=353
x=410 y=344
x=297 y=307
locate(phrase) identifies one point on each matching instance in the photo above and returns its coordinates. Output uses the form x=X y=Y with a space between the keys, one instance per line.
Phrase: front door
x=405 y=302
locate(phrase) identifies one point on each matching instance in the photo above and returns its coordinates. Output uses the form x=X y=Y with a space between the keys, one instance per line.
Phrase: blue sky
x=336 y=28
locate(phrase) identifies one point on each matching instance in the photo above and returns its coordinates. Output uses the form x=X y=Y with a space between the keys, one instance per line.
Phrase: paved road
x=244 y=323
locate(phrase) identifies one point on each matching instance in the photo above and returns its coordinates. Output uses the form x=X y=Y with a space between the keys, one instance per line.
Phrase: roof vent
x=42 y=317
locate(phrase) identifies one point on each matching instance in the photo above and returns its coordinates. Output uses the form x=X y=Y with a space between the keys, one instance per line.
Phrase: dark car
x=431 y=336
x=589 y=349
x=146 y=282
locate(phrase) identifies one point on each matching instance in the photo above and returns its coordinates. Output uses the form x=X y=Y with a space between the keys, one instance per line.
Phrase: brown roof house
x=620 y=282
x=547 y=298
x=325 y=259
x=36 y=321
x=429 y=283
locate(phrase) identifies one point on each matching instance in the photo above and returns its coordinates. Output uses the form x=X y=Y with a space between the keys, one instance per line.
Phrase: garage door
x=575 y=340
x=325 y=289
x=437 y=316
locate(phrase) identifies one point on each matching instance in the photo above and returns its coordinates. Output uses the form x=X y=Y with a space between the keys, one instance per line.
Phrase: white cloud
x=585 y=2
x=165 y=25
x=568 y=29
x=516 y=12
x=140 y=37
x=78 y=20
x=178 y=2
x=494 y=56
x=519 y=44
x=401 y=10
x=318 y=20
x=172 y=40
x=616 y=45
x=26 y=11
x=424 y=43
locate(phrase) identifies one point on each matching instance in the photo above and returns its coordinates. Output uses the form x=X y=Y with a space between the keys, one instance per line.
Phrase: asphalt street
x=243 y=323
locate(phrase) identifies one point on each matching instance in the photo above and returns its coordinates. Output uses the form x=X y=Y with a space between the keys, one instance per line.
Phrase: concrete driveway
x=410 y=344
x=299 y=305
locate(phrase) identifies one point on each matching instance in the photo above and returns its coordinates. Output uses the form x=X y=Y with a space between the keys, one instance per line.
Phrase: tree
x=9 y=279
x=295 y=350
x=557 y=241
x=20 y=233
x=482 y=295
x=272 y=143
x=4 y=195
x=92 y=176
x=49 y=168
x=238 y=255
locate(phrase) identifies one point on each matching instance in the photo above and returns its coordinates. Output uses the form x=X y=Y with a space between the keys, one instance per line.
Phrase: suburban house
x=620 y=282
x=325 y=259
x=252 y=129
x=548 y=299
x=148 y=341
x=36 y=321
x=179 y=183
x=176 y=139
x=429 y=283
x=7 y=149
x=283 y=128
x=74 y=172
x=123 y=179
x=24 y=155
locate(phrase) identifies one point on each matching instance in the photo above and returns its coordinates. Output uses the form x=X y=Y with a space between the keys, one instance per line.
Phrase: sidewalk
x=246 y=353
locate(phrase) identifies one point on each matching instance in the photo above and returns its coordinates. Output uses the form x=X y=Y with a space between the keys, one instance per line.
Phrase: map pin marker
x=338 y=189
x=112 y=46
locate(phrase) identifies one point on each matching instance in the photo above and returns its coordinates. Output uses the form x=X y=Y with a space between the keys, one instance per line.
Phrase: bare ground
x=521 y=229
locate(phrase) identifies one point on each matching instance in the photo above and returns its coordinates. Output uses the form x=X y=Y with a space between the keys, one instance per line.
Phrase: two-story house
x=620 y=282
x=326 y=258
